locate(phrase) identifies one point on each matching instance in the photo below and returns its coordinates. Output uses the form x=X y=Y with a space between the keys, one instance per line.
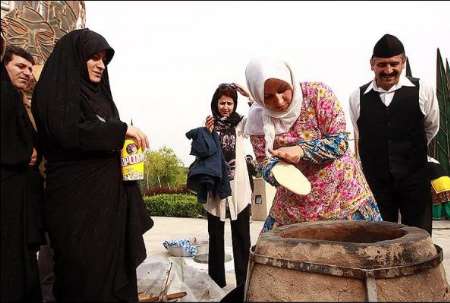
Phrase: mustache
x=393 y=74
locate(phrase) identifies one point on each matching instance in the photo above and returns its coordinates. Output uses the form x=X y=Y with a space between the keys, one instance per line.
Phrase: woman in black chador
x=95 y=219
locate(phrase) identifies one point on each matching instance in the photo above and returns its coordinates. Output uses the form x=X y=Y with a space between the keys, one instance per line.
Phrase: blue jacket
x=209 y=171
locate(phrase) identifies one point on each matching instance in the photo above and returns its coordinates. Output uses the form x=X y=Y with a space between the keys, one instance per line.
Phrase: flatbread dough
x=290 y=177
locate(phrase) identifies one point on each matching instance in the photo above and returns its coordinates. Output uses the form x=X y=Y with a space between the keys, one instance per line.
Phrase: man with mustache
x=394 y=118
x=21 y=184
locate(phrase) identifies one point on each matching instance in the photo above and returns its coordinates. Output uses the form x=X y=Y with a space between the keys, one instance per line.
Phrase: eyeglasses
x=236 y=88
x=228 y=85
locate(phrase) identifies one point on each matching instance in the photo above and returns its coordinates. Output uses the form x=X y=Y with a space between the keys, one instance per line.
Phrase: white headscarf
x=262 y=121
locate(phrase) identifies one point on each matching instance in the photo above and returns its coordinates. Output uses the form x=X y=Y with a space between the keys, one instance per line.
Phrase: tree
x=440 y=146
x=163 y=169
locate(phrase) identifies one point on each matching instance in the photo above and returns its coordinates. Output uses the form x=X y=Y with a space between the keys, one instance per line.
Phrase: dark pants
x=412 y=196
x=19 y=276
x=46 y=271
x=240 y=233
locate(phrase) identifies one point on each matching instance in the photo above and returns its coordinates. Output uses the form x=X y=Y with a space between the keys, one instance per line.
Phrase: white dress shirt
x=427 y=101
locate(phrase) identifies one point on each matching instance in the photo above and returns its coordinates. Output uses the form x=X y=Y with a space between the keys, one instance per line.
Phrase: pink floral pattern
x=339 y=187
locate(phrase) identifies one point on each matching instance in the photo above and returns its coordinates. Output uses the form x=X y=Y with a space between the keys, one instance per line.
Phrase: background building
x=37 y=25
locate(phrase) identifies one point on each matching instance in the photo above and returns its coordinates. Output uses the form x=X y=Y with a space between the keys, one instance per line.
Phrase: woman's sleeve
x=101 y=136
x=98 y=134
x=258 y=145
x=331 y=121
x=79 y=128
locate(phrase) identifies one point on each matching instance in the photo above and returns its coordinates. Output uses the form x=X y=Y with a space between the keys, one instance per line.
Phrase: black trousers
x=412 y=196
x=46 y=271
x=240 y=234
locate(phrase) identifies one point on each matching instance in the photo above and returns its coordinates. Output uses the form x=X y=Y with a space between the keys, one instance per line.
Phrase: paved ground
x=168 y=228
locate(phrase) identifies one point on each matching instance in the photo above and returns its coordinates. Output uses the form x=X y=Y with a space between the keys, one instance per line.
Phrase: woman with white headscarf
x=304 y=124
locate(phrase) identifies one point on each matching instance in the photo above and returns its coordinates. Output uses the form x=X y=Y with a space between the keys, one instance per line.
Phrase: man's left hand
x=33 y=158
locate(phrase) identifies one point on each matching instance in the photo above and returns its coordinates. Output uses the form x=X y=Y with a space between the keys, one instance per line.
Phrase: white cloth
x=240 y=185
x=185 y=275
x=427 y=101
x=432 y=160
x=262 y=121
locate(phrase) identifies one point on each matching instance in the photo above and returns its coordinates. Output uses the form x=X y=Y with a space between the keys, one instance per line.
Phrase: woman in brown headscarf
x=95 y=219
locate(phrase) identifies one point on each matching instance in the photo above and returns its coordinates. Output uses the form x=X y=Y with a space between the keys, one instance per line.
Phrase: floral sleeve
x=325 y=149
x=258 y=145
x=331 y=122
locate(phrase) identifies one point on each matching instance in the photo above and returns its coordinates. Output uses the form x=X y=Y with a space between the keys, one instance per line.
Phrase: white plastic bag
x=152 y=275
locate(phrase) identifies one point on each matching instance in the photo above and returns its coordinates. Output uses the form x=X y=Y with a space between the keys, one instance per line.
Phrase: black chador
x=95 y=219
x=21 y=200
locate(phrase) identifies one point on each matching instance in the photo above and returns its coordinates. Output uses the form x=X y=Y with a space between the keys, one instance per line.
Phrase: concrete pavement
x=169 y=228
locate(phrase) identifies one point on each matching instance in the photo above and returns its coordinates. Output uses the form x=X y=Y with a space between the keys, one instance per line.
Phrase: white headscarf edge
x=262 y=121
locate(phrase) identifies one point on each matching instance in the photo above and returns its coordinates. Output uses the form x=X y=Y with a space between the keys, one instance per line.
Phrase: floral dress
x=338 y=187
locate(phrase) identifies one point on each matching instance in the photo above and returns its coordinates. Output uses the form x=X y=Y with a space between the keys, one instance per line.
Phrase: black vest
x=392 y=140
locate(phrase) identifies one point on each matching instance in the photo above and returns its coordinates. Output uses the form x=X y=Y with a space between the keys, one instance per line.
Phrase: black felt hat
x=388 y=46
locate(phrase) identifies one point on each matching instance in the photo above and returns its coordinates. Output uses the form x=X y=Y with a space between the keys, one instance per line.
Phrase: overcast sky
x=170 y=56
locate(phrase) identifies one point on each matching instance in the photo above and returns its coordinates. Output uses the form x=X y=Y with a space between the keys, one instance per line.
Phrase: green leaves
x=163 y=169
x=440 y=146
x=176 y=205
x=408 y=68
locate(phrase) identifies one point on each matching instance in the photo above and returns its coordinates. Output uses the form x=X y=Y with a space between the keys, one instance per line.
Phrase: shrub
x=166 y=190
x=174 y=205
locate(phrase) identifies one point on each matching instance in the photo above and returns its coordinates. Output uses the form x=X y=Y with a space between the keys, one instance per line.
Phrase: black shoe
x=236 y=295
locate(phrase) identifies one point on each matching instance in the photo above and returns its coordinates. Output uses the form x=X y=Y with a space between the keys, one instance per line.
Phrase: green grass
x=174 y=205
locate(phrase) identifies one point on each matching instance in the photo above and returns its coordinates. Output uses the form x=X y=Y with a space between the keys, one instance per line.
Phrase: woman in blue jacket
x=229 y=126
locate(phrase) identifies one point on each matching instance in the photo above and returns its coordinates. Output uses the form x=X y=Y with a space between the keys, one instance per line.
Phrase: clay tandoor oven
x=346 y=261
